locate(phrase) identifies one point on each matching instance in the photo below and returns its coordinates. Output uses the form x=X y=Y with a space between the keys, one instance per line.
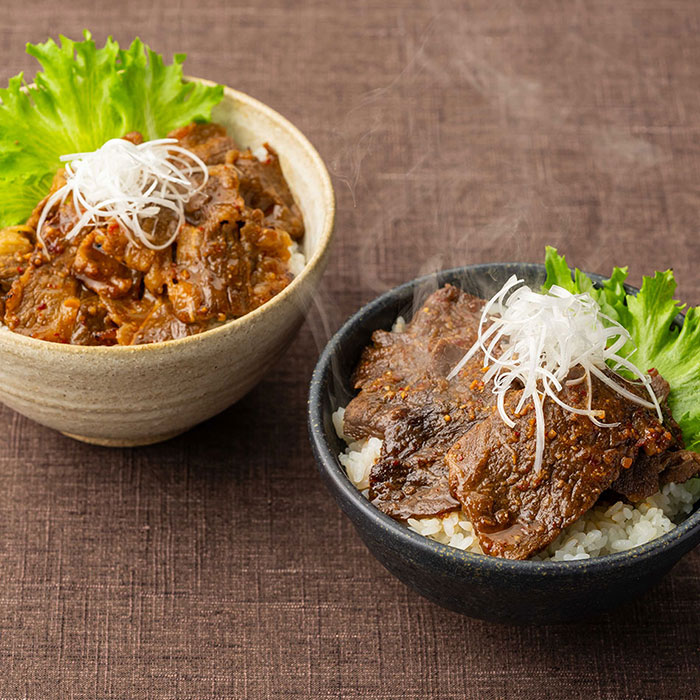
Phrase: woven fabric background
x=216 y=565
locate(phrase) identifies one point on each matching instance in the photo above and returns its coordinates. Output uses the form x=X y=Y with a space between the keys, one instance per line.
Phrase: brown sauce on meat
x=517 y=511
x=445 y=447
x=102 y=288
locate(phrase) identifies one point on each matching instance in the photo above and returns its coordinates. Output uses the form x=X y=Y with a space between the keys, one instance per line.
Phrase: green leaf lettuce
x=648 y=317
x=83 y=97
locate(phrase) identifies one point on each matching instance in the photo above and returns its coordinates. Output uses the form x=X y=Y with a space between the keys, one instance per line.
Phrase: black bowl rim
x=329 y=462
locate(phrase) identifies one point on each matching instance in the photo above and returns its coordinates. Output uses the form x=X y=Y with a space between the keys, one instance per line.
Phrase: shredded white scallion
x=131 y=184
x=541 y=338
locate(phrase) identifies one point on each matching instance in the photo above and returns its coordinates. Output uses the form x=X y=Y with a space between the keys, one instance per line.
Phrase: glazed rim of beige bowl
x=324 y=241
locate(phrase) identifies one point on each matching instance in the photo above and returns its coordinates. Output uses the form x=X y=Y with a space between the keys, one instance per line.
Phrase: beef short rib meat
x=104 y=285
x=406 y=400
x=264 y=188
x=43 y=302
x=208 y=141
x=516 y=511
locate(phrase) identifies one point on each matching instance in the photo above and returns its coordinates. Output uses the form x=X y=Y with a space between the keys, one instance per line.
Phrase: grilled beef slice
x=650 y=472
x=516 y=511
x=406 y=400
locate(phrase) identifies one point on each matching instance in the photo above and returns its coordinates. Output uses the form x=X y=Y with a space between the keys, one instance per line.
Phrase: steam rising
x=426 y=185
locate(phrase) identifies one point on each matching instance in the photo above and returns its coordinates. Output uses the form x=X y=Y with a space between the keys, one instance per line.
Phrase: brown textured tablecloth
x=216 y=565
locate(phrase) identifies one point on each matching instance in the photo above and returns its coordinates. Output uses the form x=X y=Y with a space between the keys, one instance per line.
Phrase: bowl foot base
x=124 y=442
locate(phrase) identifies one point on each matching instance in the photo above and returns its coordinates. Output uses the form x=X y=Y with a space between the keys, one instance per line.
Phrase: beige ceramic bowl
x=123 y=395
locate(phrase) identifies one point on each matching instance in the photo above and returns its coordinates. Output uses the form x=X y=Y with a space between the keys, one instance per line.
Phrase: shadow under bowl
x=480 y=586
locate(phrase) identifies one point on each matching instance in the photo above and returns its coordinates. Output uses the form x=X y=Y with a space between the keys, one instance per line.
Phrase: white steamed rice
x=604 y=529
x=297 y=259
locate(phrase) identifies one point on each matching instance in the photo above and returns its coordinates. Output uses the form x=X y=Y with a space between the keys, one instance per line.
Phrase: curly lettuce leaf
x=155 y=97
x=674 y=352
x=656 y=341
x=558 y=272
x=19 y=196
x=610 y=295
x=83 y=97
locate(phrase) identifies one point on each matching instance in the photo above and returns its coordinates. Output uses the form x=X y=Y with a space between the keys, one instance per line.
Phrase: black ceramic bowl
x=473 y=584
